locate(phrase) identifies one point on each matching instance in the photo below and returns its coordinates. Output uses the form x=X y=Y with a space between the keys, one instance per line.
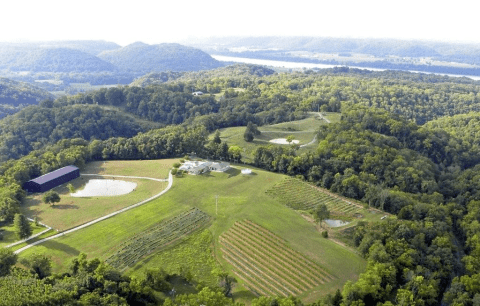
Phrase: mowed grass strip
x=297 y=194
x=256 y=253
x=155 y=168
x=162 y=235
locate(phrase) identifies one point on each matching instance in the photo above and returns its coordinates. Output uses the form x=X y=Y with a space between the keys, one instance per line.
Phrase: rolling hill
x=163 y=57
x=50 y=60
x=15 y=93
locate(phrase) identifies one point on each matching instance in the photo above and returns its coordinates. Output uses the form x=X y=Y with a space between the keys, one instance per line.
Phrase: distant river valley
x=294 y=65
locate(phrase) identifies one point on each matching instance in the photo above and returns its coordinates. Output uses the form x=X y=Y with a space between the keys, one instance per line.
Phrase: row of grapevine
x=266 y=264
x=297 y=194
x=159 y=236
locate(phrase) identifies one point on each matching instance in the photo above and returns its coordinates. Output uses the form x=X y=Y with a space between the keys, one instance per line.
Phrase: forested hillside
x=382 y=153
x=15 y=93
x=35 y=127
x=155 y=58
x=238 y=94
x=53 y=60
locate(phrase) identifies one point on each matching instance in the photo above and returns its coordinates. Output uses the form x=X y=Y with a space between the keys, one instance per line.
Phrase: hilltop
x=51 y=60
x=16 y=93
x=162 y=57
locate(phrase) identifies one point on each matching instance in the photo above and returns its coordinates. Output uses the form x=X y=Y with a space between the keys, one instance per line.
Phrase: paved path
x=170 y=183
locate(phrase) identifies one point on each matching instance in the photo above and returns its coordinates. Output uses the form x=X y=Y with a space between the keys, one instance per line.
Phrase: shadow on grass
x=243 y=295
x=52 y=244
x=232 y=172
x=65 y=206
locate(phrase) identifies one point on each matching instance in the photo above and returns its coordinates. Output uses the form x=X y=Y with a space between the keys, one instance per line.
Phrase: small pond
x=336 y=223
x=105 y=188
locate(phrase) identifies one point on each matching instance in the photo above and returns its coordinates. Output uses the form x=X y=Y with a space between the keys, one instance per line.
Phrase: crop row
x=300 y=195
x=266 y=264
x=164 y=234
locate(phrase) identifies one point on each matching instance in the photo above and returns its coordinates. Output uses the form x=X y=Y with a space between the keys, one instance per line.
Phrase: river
x=292 y=65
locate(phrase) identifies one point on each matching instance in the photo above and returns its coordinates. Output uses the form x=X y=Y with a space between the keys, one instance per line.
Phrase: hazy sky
x=159 y=21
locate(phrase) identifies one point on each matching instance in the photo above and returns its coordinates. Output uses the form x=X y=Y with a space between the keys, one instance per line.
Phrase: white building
x=199 y=167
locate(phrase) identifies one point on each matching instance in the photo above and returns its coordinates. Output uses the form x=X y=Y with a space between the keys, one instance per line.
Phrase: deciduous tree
x=22 y=226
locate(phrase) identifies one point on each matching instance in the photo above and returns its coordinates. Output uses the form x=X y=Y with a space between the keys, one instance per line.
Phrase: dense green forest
x=381 y=153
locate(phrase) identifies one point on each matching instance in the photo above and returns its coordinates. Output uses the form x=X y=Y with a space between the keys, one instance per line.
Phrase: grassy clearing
x=302 y=130
x=157 y=168
x=222 y=93
x=9 y=236
x=239 y=197
x=74 y=211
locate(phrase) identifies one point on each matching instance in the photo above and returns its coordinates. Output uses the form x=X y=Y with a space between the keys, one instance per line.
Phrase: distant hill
x=156 y=78
x=378 y=47
x=51 y=60
x=92 y=47
x=228 y=71
x=15 y=93
x=156 y=58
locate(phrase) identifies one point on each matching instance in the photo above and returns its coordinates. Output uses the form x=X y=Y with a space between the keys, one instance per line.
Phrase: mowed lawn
x=157 y=168
x=302 y=130
x=227 y=197
x=9 y=236
x=73 y=211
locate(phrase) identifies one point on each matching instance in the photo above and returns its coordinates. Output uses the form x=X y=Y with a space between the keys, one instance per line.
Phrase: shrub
x=174 y=171
x=325 y=234
x=176 y=165
x=182 y=161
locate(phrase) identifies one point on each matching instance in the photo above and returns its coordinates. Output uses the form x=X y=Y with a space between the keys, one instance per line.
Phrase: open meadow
x=187 y=231
x=302 y=130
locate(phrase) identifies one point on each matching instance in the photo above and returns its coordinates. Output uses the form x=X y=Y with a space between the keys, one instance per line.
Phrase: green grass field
x=73 y=211
x=157 y=168
x=9 y=237
x=226 y=197
x=302 y=130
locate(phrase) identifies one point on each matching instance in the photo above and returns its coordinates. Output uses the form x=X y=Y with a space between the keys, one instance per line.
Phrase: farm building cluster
x=199 y=167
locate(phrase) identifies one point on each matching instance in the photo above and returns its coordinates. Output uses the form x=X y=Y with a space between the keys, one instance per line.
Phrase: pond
x=336 y=223
x=105 y=188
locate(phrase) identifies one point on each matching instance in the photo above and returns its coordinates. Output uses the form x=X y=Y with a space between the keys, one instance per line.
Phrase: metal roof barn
x=52 y=179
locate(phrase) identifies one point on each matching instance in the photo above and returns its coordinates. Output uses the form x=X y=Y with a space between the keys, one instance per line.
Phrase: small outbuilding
x=52 y=179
